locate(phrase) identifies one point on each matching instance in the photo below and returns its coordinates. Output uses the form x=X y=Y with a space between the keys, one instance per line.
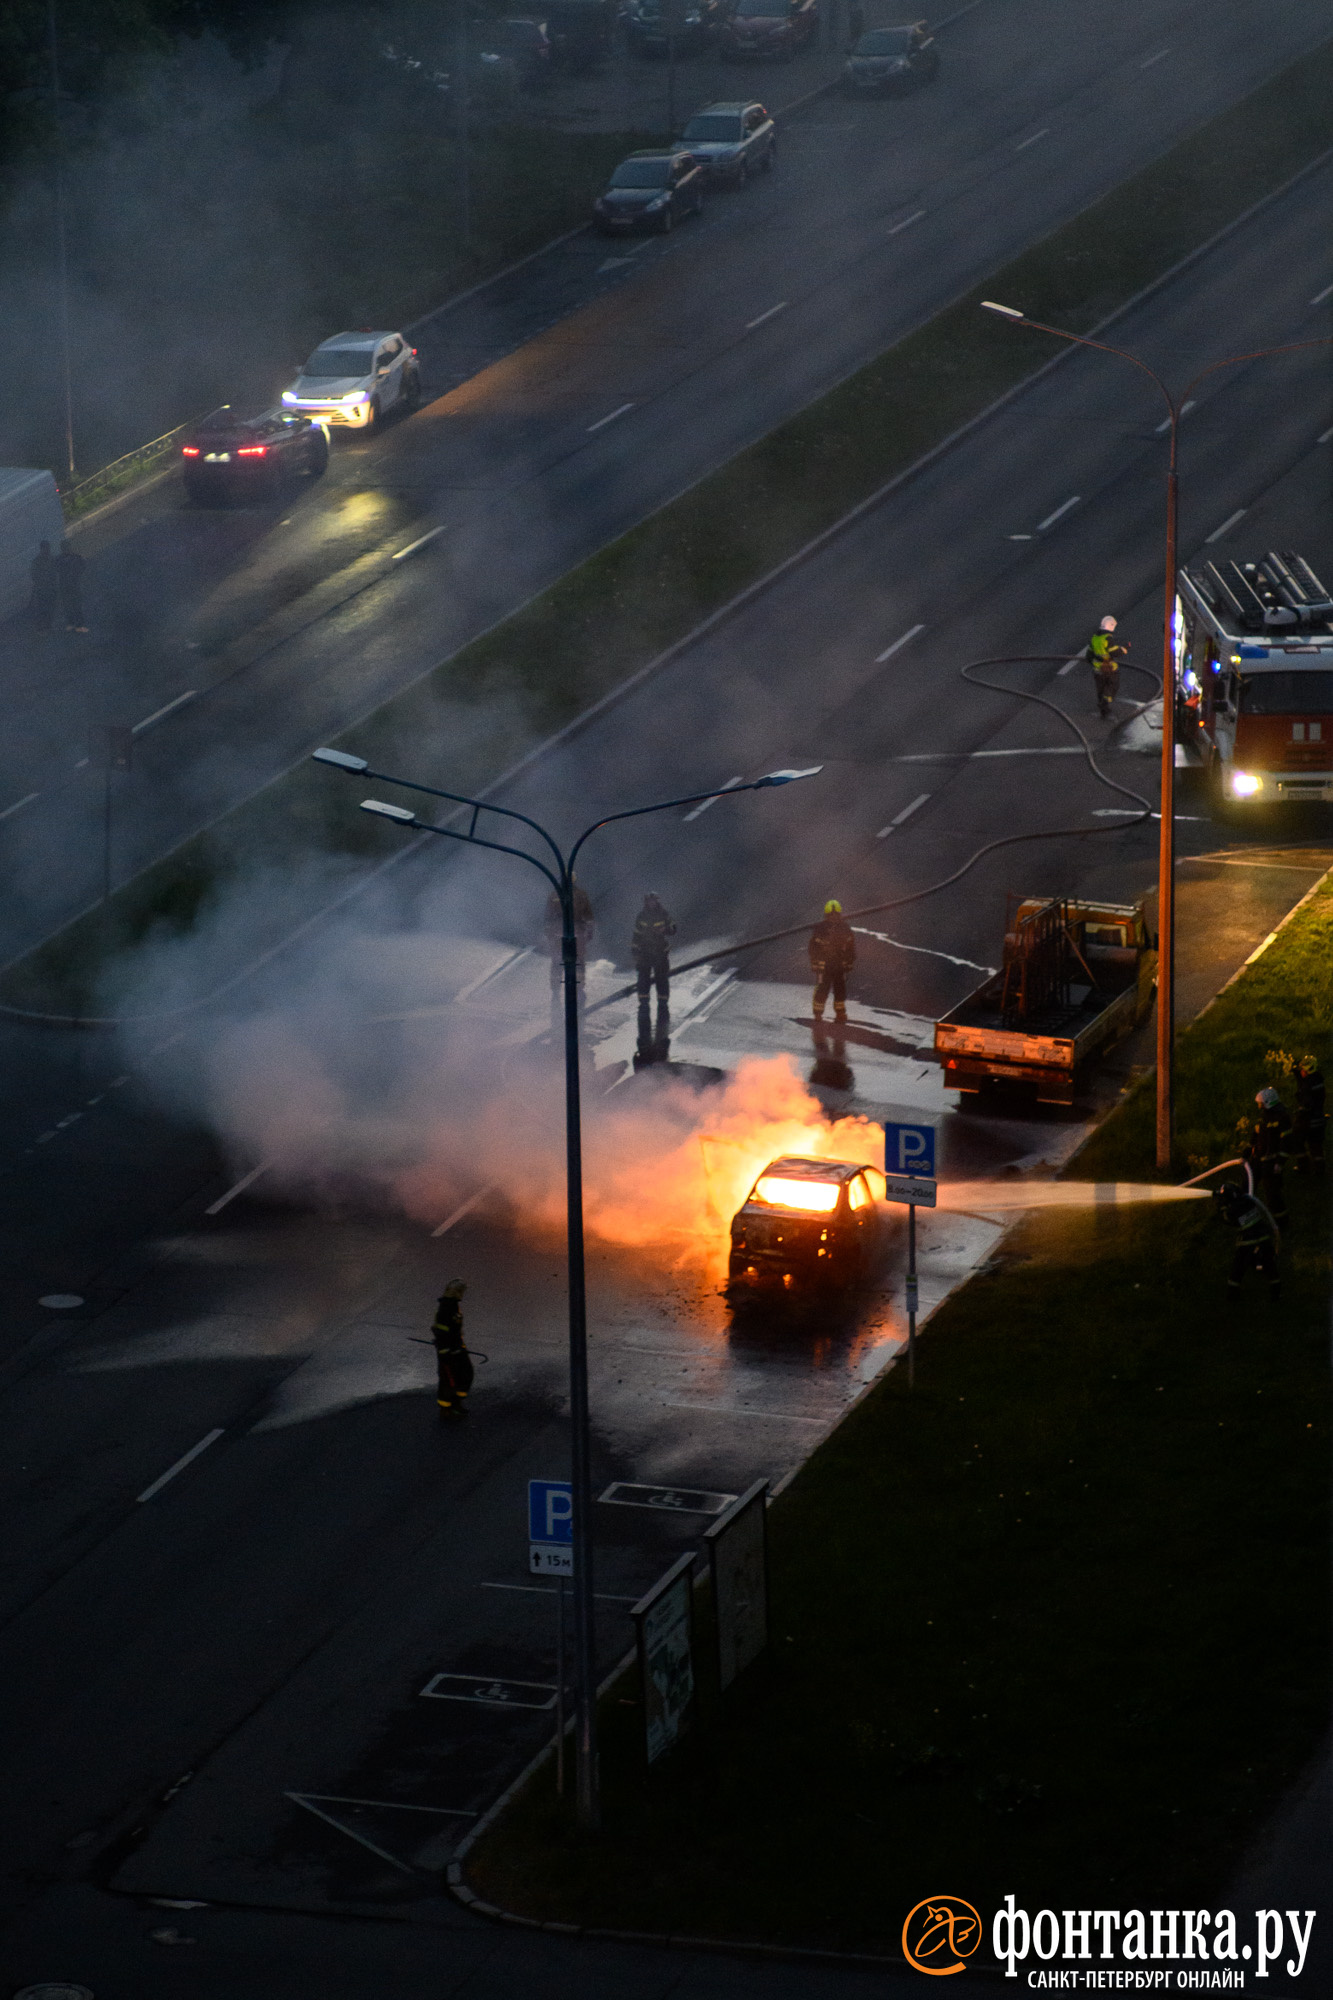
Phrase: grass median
x=1055 y=1622
x=577 y=641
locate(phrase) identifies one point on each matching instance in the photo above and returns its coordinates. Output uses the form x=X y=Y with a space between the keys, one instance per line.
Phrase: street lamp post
x=1166 y=848
x=560 y=875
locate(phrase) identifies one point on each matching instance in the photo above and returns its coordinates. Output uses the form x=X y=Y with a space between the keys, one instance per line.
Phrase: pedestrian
x=1104 y=656
x=1307 y=1130
x=69 y=577
x=453 y=1362
x=650 y=947
x=45 y=587
x=1268 y=1150
x=1256 y=1247
x=832 y=956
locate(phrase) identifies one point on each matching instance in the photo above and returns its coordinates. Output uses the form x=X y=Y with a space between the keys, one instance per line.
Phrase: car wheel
x=373 y=419
x=412 y=390
x=318 y=458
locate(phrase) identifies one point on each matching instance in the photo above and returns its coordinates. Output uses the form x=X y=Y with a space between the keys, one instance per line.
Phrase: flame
x=813 y=1197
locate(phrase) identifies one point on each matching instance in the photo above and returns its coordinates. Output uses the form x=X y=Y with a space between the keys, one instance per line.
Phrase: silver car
x=732 y=141
x=356 y=378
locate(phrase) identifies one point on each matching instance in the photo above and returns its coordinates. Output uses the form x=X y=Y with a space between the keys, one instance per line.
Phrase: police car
x=805 y=1224
x=356 y=378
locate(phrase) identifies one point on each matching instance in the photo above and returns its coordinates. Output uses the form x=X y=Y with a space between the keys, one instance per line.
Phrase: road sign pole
x=911 y=1296
x=560 y=1686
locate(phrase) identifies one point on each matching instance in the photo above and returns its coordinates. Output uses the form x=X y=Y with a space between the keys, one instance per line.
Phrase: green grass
x=1055 y=1622
x=582 y=637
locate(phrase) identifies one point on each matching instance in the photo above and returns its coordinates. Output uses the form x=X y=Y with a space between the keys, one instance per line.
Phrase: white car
x=355 y=378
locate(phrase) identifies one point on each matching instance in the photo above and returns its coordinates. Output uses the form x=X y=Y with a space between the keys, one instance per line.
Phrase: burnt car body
x=227 y=457
x=805 y=1225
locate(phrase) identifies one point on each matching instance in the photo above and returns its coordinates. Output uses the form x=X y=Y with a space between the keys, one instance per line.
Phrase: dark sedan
x=773 y=28
x=650 y=25
x=651 y=191
x=891 y=59
x=248 y=458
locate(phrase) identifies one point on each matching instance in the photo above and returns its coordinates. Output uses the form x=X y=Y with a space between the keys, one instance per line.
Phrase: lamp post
x=1166 y=850
x=560 y=874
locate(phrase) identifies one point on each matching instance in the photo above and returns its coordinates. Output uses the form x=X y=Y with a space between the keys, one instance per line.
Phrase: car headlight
x=1244 y=784
x=289 y=396
x=356 y=396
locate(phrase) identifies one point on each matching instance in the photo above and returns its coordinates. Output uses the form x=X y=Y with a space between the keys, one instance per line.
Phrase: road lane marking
x=459 y=1213
x=180 y=1465
x=906 y=813
x=1023 y=144
x=419 y=543
x=906 y=223
x=1323 y=438
x=19 y=804
x=304 y=1800
x=1078 y=660
x=216 y=1208
x=1319 y=297
x=1227 y=525
x=962 y=756
x=1161 y=53
x=1020 y=538
x=165 y=711
x=602 y=422
x=897 y=645
x=488 y=1693
x=501 y=965
x=730 y=786
x=772 y=313
x=1058 y=515
x=739 y=1410
x=1133 y=812
x=377 y=1805
x=1183 y=411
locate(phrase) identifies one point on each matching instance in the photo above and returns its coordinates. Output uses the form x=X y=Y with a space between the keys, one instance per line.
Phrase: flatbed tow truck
x=1076 y=977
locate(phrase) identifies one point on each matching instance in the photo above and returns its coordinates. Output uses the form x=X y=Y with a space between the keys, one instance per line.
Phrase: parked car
x=804 y=1224
x=354 y=378
x=731 y=141
x=227 y=457
x=526 y=45
x=647 y=25
x=651 y=190
x=891 y=59
x=772 y=28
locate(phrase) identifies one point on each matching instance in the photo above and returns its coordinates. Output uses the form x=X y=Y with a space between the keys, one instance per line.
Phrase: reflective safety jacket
x=447 y=1329
x=653 y=931
x=1271 y=1130
x=1252 y=1226
x=832 y=946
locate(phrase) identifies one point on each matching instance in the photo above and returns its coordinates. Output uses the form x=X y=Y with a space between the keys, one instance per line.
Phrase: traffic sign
x=909 y=1151
x=550 y=1527
x=916 y=1193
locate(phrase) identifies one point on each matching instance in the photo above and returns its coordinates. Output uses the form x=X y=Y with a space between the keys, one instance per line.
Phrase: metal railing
x=74 y=499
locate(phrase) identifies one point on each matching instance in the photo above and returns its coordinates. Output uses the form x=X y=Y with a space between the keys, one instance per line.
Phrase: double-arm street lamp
x=1166 y=852
x=559 y=872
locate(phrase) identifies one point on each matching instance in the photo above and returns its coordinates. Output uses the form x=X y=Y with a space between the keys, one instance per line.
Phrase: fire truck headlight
x=1244 y=784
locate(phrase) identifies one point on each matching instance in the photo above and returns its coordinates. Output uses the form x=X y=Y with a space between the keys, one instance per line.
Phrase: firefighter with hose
x=1256 y=1239
x=1104 y=656
x=452 y=1358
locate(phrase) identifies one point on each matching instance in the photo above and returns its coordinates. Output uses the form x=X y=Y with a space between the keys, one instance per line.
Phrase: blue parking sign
x=550 y=1510
x=909 y=1151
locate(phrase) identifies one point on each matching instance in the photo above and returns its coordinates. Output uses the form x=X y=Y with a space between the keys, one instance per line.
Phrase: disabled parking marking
x=665 y=1499
x=489 y=1693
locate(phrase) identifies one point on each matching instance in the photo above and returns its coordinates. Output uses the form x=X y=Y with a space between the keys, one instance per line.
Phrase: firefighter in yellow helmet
x=832 y=956
x=1104 y=655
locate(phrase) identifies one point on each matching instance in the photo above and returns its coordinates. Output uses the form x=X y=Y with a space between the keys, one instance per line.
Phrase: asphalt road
x=578 y=394
x=266 y=1622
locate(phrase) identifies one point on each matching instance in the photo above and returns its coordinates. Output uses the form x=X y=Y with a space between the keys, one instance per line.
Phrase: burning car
x=805 y=1223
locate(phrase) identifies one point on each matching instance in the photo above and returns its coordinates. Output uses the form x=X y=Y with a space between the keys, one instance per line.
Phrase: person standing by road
x=453 y=1362
x=650 y=947
x=832 y=956
x=1104 y=657
x=1256 y=1248
x=1268 y=1149
x=69 y=578
x=1307 y=1132
x=45 y=587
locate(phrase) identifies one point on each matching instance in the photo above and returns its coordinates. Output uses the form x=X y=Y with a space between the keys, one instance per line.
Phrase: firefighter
x=452 y=1360
x=1307 y=1131
x=650 y=947
x=1104 y=656
x=1268 y=1148
x=832 y=956
x=1255 y=1245
x=554 y=930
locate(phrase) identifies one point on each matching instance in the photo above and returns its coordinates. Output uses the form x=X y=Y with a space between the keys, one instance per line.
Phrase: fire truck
x=1254 y=679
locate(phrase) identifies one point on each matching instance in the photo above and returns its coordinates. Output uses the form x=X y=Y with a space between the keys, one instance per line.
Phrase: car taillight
x=252 y=451
x=414 y=354
x=189 y=451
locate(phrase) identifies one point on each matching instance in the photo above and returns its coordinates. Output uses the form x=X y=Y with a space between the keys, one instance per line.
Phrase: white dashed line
x=158 y=713
x=730 y=786
x=180 y=1464
x=906 y=813
x=1227 y=525
x=966 y=756
x=459 y=1213
x=1069 y=666
x=1023 y=144
x=772 y=313
x=216 y=1208
x=19 y=804
x=1165 y=424
x=1319 y=297
x=1150 y=60
x=906 y=223
x=602 y=422
x=419 y=543
x=1058 y=515
x=897 y=645
x=1322 y=438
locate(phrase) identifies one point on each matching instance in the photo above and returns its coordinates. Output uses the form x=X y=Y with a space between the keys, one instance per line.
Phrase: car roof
x=795 y=1167
x=656 y=153
x=355 y=339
